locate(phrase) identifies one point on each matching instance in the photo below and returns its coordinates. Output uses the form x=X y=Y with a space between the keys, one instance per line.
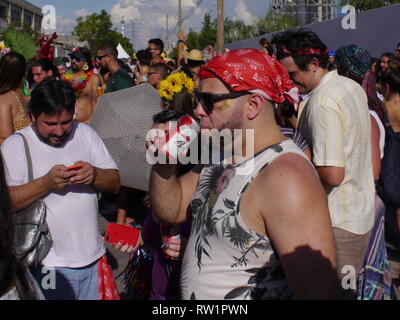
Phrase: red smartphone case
x=75 y=167
x=118 y=233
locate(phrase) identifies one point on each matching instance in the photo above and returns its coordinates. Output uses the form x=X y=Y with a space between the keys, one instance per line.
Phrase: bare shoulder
x=287 y=182
x=6 y=102
x=95 y=78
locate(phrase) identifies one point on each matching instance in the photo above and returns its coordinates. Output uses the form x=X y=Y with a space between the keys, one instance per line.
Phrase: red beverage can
x=179 y=138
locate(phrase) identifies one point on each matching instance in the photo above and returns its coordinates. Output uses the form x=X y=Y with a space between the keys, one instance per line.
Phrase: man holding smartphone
x=56 y=142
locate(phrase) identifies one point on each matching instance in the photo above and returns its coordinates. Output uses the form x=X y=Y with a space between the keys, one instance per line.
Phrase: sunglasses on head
x=207 y=100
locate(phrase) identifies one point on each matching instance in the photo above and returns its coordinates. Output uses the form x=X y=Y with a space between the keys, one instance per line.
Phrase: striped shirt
x=334 y=119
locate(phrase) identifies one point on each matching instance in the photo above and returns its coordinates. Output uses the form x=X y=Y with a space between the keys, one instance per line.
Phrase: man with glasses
x=84 y=82
x=334 y=119
x=259 y=231
x=156 y=47
x=119 y=79
x=158 y=72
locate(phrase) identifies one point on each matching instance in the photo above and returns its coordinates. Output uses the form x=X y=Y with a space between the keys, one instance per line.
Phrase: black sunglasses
x=101 y=57
x=207 y=100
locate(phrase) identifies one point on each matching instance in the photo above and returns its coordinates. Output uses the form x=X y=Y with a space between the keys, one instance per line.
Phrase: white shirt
x=335 y=121
x=71 y=213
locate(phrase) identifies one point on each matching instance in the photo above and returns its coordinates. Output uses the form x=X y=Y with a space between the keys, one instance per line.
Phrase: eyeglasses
x=208 y=100
x=101 y=57
x=150 y=73
x=152 y=49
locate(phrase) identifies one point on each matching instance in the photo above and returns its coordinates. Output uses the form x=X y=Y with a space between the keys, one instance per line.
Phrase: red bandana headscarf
x=254 y=71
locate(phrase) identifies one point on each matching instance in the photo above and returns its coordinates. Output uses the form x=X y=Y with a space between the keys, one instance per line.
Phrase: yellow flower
x=163 y=55
x=68 y=76
x=166 y=90
x=2 y=45
x=187 y=82
x=175 y=84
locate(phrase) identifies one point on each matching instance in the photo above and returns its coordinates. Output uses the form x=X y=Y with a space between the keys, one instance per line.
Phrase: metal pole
x=220 y=27
x=180 y=16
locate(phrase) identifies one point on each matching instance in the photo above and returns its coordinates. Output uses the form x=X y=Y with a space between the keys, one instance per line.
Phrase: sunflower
x=175 y=84
x=166 y=90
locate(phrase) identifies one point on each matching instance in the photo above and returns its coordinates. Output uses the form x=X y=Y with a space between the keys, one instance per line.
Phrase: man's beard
x=75 y=67
x=63 y=139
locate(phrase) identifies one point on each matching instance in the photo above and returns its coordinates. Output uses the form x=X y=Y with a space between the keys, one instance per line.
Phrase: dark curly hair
x=300 y=45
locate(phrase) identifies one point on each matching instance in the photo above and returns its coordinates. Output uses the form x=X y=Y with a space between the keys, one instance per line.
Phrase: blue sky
x=146 y=19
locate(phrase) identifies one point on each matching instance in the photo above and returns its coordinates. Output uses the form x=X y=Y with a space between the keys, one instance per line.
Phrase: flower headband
x=175 y=83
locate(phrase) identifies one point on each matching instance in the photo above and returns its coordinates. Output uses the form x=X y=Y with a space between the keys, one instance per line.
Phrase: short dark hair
x=12 y=71
x=51 y=97
x=161 y=68
x=109 y=48
x=46 y=65
x=144 y=57
x=387 y=54
x=302 y=45
x=157 y=42
x=392 y=75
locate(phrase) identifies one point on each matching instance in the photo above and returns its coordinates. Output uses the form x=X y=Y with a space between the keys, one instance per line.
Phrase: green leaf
x=21 y=42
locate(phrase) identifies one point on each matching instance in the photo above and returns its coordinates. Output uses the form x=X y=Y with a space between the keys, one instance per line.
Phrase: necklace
x=84 y=79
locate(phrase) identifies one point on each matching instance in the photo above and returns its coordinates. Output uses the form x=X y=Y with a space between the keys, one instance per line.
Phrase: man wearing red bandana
x=260 y=226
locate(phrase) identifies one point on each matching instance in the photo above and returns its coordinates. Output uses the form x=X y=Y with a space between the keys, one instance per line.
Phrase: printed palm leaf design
x=277 y=148
x=202 y=209
x=258 y=288
x=21 y=42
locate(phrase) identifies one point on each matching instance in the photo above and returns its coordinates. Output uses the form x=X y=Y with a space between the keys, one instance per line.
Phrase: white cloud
x=148 y=18
x=64 y=25
x=82 y=12
x=242 y=12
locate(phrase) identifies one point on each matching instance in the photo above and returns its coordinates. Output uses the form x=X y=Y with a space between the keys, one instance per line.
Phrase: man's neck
x=319 y=74
x=255 y=140
x=113 y=66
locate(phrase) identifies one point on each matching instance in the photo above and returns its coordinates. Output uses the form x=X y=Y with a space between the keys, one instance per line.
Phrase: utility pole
x=180 y=16
x=220 y=27
x=166 y=36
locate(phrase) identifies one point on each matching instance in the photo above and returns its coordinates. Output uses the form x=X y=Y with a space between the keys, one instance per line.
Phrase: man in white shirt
x=56 y=142
x=334 y=119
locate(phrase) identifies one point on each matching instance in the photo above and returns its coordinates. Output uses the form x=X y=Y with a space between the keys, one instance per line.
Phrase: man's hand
x=84 y=175
x=174 y=247
x=58 y=178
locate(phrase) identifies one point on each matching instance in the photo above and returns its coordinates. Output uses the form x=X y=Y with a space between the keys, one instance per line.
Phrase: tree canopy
x=362 y=5
x=97 y=30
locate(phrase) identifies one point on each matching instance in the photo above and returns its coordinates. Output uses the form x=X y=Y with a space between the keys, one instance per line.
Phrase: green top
x=118 y=81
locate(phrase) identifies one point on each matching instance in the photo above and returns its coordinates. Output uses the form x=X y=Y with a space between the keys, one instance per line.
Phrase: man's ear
x=255 y=103
x=313 y=65
x=50 y=73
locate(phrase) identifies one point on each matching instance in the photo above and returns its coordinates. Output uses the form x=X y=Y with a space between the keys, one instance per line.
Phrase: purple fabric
x=165 y=285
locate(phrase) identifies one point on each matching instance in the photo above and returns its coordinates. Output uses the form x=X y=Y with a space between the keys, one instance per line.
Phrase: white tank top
x=224 y=259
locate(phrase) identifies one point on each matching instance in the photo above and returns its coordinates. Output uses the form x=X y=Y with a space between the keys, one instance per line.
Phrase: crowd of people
x=316 y=215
